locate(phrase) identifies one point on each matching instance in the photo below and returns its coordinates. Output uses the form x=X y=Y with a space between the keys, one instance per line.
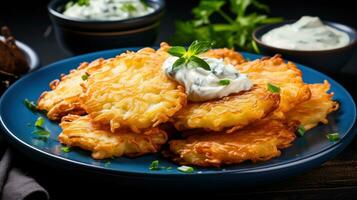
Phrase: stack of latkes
x=127 y=106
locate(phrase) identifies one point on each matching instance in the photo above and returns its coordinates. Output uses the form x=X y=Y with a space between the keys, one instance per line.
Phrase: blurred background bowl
x=328 y=61
x=82 y=36
x=31 y=56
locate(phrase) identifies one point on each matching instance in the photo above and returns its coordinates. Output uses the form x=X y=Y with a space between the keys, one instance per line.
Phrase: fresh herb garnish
x=41 y=132
x=66 y=149
x=300 y=130
x=224 y=82
x=33 y=107
x=85 y=77
x=185 y=169
x=191 y=54
x=128 y=7
x=39 y=122
x=30 y=105
x=227 y=22
x=83 y=2
x=107 y=163
x=333 y=137
x=154 y=165
x=272 y=88
x=145 y=4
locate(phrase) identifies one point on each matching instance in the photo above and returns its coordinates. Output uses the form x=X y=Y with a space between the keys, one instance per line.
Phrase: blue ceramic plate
x=307 y=152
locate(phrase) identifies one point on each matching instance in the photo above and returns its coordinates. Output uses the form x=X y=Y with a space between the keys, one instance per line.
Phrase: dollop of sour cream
x=203 y=85
x=107 y=9
x=308 y=33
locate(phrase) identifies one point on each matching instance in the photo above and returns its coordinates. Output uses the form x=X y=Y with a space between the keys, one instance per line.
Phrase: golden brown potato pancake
x=135 y=93
x=257 y=142
x=80 y=131
x=228 y=55
x=287 y=76
x=316 y=109
x=63 y=99
x=229 y=113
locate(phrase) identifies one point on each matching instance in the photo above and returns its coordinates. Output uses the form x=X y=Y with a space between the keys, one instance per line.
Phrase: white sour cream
x=203 y=85
x=107 y=9
x=308 y=33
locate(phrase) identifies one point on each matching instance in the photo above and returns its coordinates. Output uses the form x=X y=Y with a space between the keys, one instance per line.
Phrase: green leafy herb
x=300 y=131
x=189 y=56
x=128 y=7
x=224 y=82
x=30 y=105
x=333 y=137
x=154 y=165
x=33 y=107
x=185 y=169
x=41 y=132
x=66 y=149
x=39 y=122
x=107 y=163
x=231 y=27
x=85 y=77
x=272 y=88
x=83 y=2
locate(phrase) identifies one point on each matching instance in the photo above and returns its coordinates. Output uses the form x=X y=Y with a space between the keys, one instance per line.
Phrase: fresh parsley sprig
x=228 y=22
x=190 y=56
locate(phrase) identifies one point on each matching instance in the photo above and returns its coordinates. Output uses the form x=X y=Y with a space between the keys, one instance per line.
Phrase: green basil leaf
x=206 y=8
x=198 y=62
x=177 y=51
x=198 y=47
x=178 y=63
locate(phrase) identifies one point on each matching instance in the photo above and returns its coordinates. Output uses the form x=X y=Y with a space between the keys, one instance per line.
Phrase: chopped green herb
x=190 y=55
x=39 y=122
x=41 y=132
x=128 y=7
x=107 y=163
x=272 y=88
x=30 y=105
x=300 y=131
x=66 y=149
x=154 y=165
x=333 y=137
x=145 y=4
x=84 y=77
x=83 y=2
x=224 y=82
x=185 y=169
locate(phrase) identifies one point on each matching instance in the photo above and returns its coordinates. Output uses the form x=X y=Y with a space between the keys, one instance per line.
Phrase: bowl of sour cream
x=326 y=46
x=90 y=25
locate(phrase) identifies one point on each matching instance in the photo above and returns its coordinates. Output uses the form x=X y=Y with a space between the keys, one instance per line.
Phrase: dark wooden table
x=336 y=179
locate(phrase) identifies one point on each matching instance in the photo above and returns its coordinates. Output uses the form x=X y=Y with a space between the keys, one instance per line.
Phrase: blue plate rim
x=275 y=166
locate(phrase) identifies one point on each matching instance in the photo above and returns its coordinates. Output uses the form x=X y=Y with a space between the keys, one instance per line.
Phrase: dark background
x=30 y=24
